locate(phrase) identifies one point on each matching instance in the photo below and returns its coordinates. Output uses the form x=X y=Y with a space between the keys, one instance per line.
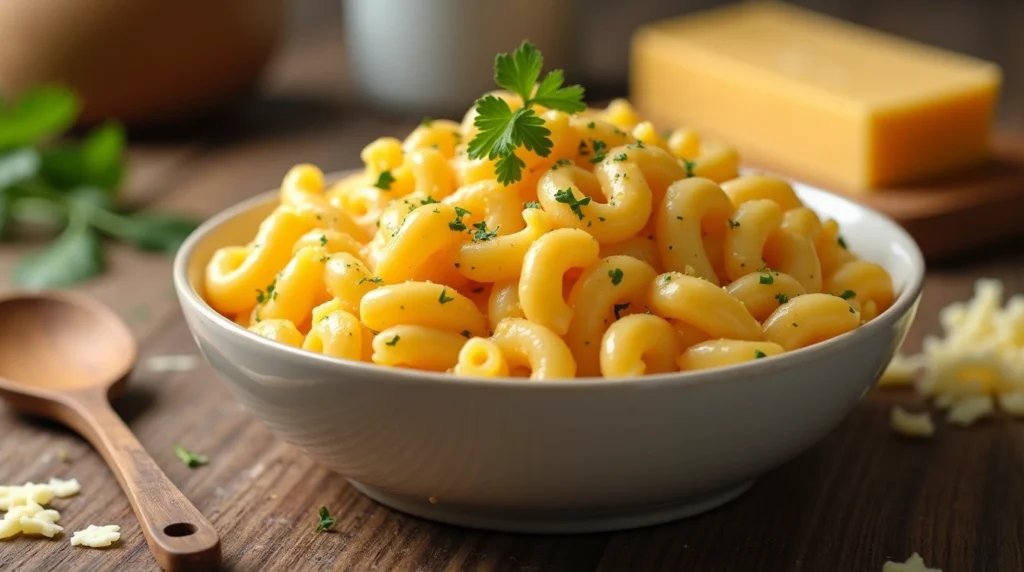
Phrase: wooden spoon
x=62 y=356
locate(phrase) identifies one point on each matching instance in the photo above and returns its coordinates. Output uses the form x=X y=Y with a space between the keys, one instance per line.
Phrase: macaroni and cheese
x=622 y=252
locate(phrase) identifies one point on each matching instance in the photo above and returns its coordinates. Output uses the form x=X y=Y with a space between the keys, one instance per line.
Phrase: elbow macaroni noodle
x=621 y=253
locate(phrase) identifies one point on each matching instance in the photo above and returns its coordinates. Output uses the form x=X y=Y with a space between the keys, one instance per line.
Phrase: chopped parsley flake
x=444 y=299
x=428 y=201
x=467 y=334
x=531 y=205
x=457 y=225
x=766 y=278
x=326 y=521
x=270 y=294
x=616 y=276
x=621 y=157
x=190 y=458
x=847 y=294
x=384 y=181
x=782 y=298
x=733 y=224
x=689 y=166
x=758 y=354
x=323 y=240
x=426 y=121
x=481 y=234
x=599 y=148
x=565 y=196
x=375 y=280
x=590 y=125
x=393 y=341
x=841 y=242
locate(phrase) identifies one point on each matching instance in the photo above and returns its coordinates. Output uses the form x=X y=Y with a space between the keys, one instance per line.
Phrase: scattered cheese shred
x=913 y=564
x=911 y=424
x=1013 y=402
x=97 y=536
x=979 y=356
x=25 y=511
x=969 y=410
x=902 y=370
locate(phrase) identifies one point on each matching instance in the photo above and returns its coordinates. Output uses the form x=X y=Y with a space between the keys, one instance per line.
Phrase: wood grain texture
x=859 y=497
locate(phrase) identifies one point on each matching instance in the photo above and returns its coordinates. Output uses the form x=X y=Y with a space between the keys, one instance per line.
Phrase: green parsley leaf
x=326 y=522
x=375 y=280
x=689 y=166
x=428 y=201
x=621 y=157
x=847 y=294
x=75 y=256
x=393 y=341
x=426 y=121
x=190 y=458
x=519 y=71
x=481 y=234
x=467 y=334
x=616 y=276
x=531 y=205
x=758 y=354
x=444 y=299
x=40 y=113
x=620 y=308
x=501 y=130
x=461 y=212
x=457 y=225
x=782 y=298
x=566 y=197
x=733 y=224
x=384 y=181
x=599 y=149
x=766 y=278
x=551 y=94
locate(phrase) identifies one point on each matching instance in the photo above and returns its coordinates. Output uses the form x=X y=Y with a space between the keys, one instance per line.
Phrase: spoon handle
x=179 y=536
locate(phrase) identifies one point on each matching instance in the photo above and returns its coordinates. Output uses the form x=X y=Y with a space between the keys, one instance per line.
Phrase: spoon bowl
x=62 y=356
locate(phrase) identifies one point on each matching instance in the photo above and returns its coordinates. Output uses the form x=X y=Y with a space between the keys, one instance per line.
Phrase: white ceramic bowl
x=578 y=455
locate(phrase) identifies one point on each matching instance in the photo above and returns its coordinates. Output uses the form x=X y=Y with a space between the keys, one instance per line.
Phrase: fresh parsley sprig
x=503 y=131
x=69 y=188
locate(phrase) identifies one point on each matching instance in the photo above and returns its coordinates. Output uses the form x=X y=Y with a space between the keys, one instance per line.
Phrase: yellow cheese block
x=814 y=97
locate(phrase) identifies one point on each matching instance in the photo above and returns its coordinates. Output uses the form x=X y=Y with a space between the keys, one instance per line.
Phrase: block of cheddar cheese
x=816 y=98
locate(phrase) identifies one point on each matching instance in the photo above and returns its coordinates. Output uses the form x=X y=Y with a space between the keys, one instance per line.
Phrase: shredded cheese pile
x=26 y=513
x=978 y=361
x=25 y=507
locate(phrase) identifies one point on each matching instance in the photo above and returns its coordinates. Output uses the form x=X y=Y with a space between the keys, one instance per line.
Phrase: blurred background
x=155 y=63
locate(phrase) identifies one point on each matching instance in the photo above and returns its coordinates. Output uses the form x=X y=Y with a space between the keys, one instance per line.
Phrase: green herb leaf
x=18 y=166
x=689 y=166
x=384 y=181
x=75 y=256
x=481 y=234
x=393 y=341
x=190 y=458
x=531 y=205
x=518 y=71
x=758 y=354
x=766 y=278
x=599 y=149
x=733 y=224
x=375 y=280
x=551 y=94
x=326 y=522
x=616 y=276
x=566 y=197
x=782 y=298
x=444 y=299
x=149 y=231
x=38 y=114
x=847 y=294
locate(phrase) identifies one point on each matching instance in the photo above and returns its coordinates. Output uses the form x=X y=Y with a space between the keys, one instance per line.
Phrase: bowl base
x=537 y=522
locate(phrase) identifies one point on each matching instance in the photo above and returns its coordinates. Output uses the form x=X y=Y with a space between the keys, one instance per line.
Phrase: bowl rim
x=905 y=301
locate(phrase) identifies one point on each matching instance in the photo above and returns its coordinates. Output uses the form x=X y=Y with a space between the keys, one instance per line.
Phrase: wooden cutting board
x=964 y=211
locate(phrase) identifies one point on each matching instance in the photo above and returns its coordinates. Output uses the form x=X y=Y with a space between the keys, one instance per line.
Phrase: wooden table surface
x=861 y=496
